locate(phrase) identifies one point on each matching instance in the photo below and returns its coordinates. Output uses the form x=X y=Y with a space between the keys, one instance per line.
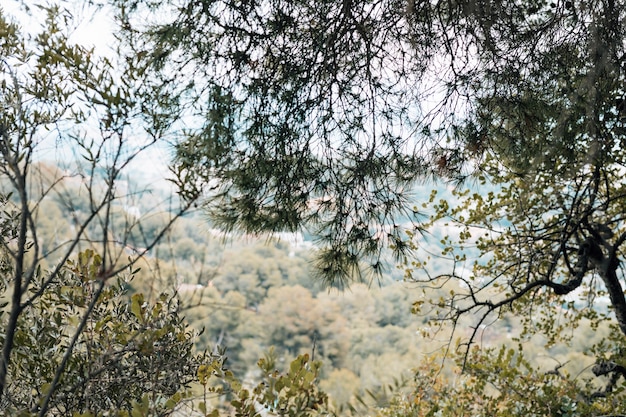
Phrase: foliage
x=70 y=340
x=272 y=124
x=328 y=127
x=348 y=331
x=500 y=382
x=126 y=351
x=292 y=393
x=304 y=130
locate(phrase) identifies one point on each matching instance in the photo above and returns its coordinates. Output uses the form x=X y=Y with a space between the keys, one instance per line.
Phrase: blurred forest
x=252 y=295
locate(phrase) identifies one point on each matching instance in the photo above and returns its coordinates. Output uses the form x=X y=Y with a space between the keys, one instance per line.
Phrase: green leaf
x=137 y=301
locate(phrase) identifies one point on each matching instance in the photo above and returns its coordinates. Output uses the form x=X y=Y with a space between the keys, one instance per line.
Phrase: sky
x=95 y=29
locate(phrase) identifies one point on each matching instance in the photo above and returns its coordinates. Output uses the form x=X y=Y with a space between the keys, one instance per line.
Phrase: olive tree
x=71 y=341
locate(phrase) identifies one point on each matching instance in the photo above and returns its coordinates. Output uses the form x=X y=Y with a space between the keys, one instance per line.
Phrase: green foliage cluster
x=127 y=350
x=291 y=393
x=500 y=382
x=259 y=295
x=72 y=342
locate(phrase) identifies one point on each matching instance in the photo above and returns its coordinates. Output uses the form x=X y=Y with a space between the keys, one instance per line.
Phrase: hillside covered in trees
x=250 y=296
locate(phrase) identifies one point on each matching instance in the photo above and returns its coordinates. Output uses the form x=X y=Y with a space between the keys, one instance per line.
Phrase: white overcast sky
x=95 y=29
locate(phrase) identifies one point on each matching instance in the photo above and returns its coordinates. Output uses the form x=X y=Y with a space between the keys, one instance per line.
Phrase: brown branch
x=613 y=285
